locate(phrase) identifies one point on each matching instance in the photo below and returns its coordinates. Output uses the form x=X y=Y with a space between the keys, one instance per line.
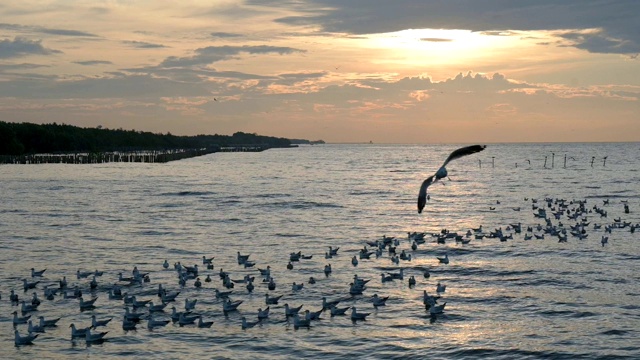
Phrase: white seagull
x=95 y=322
x=442 y=172
x=95 y=337
x=24 y=340
x=76 y=333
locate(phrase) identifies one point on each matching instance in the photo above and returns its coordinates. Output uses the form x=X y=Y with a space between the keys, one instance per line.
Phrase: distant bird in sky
x=442 y=172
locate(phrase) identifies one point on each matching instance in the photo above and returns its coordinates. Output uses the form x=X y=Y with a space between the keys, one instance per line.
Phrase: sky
x=403 y=71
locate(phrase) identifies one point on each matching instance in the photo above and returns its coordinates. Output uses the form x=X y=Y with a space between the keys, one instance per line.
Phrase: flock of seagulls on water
x=159 y=305
x=165 y=307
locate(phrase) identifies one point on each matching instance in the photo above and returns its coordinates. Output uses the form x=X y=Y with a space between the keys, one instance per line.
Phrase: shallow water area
x=514 y=299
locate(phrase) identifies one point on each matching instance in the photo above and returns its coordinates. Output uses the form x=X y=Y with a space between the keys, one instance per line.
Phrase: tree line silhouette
x=29 y=138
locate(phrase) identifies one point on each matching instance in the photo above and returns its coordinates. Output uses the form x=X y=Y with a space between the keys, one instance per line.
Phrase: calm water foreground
x=505 y=300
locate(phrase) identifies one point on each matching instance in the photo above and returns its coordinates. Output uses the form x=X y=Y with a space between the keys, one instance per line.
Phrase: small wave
x=187 y=193
x=154 y=233
x=272 y=196
x=302 y=204
x=614 y=332
x=375 y=193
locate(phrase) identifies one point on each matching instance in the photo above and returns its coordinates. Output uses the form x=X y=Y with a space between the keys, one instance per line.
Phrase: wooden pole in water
x=592 y=159
x=553 y=156
x=493 y=161
x=545 y=161
x=480 y=163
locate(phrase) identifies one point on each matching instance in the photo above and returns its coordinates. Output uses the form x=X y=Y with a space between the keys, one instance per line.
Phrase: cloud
x=44 y=30
x=211 y=54
x=93 y=62
x=618 y=21
x=22 y=47
x=435 y=40
x=220 y=34
x=23 y=66
x=599 y=42
x=143 y=45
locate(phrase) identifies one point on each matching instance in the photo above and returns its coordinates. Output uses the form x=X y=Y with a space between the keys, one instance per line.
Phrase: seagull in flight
x=442 y=172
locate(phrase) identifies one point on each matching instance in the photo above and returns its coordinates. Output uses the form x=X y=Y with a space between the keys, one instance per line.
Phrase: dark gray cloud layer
x=211 y=54
x=618 y=19
x=44 y=30
x=19 y=47
x=143 y=45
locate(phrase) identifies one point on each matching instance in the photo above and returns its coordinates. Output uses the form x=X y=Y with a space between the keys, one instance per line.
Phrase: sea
x=511 y=299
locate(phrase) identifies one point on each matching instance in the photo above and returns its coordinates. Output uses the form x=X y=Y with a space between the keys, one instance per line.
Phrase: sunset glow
x=327 y=69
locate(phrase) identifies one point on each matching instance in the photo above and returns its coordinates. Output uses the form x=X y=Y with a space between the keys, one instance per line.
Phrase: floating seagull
x=35 y=328
x=48 y=323
x=156 y=307
x=263 y=314
x=335 y=311
x=437 y=309
x=27 y=307
x=128 y=324
x=35 y=273
x=29 y=285
x=169 y=297
x=355 y=315
x=386 y=278
x=95 y=322
x=185 y=319
x=327 y=269
x=204 y=324
x=272 y=300
x=190 y=304
x=77 y=333
x=153 y=323
x=291 y=311
x=13 y=297
x=132 y=315
x=315 y=315
x=96 y=337
x=379 y=301
x=329 y=304
x=34 y=300
x=223 y=294
x=297 y=287
x=442 y=172
x=265 y=272
x=248 y=325
x=231 y=306
x=24 y=340
x=20 y=320
x=300 y=322
x=87 y=305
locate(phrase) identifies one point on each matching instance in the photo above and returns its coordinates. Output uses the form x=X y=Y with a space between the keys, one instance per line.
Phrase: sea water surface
x=505 y=300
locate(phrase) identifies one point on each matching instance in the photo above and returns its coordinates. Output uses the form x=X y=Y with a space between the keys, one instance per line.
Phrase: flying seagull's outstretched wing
x=422 y=195
x=468 y=150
